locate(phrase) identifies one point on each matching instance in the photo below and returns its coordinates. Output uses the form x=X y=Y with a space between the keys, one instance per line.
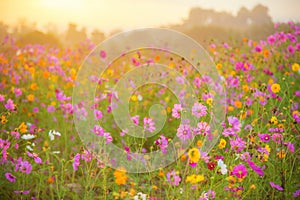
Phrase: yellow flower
x=193 y=179
x=33 y=86
x=209 y=101
x=3 y=119
x=30 y=97
x=219 y=66
x=199 y=143
x=274 y=120
x=120 y=176
x=281 y=154
x=245 y=88
x=295 y=67
x=194 y=155
x=275 y=88
x=134 y=97
x=222 y=144
x=230 y=108
x=238 y=104
x=253 y=187
x=23 y=127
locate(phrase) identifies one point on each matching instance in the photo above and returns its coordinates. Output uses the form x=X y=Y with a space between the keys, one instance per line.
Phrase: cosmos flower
x=240 y=171
x=173 y=178
x=184 y=132
x=275 y=186
x=176 y=111
x=10 y=177
x=149 y=125
x=199 y=110
x=202 y=128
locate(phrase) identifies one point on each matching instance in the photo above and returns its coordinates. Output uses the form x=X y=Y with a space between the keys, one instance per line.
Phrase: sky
x=110 y=15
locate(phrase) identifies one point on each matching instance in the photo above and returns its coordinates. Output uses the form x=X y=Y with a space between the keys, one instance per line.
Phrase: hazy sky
x=108 y=15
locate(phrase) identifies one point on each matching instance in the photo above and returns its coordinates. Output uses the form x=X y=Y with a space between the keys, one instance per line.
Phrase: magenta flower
x=240 y=171
x=197 y=82
x=199 y=110
x=50 y=109
x=18 y=92
x=290 y=146
x=23 y=166
x=10 y=177
x=10 y=105
x=135 y=119
x=211 y=194
x=237 y=144
x=2 y=98
x=98 y=114
x=162 y=142
x=203 y=128
x=36 y=158
x=102 y=54
x=277 y=187
x=277 y=137
x=124 y=132
x=234 y=123
x=258 y=48
x=76 y=162
x=264 y=137
x=256 y=168
x=173 y=178
x=149 y=125
x=291 y=49
x=22 y=192
x=98 y=130
x=176 y=111
x=184 y=132
x=296 y=193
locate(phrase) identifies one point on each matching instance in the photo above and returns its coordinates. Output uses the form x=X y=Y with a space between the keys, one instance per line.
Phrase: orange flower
x=33 y=86
x=120 y=176
x=30 y=97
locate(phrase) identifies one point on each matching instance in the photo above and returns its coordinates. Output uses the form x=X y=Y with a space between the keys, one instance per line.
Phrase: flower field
x=256 y=155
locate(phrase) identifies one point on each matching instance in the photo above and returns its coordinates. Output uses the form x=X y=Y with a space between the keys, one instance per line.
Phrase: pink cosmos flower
x=50 y=109
x=173 y=178
x=102 y=54
x=10 y=105
x=2 y=98
x=264 y=137
x=162 y=142
x=256 y=168
x=18 y=92
x=36 y=158
x=97 y=114
x=197 y=82
x=124 y=132
x=184 y=132
x=240 y=171
x=76 y=162
x=176 y=111
x=199 y=110
x=203 y=128
x=10 y=177
x=22 y=192
x=277 y=187
x=237 y=144
x=149 y=125
x=135 y=119
x=23 y=166
x=277 y=137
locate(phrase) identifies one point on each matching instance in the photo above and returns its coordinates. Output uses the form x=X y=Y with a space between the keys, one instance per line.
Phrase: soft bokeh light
x=108 y=15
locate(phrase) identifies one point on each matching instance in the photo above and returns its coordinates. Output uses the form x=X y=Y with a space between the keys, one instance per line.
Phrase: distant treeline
x=203 y=25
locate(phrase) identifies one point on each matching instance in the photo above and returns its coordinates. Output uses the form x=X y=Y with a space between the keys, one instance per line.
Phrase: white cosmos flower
x=27 y=136
x=140 y=196
x=140 y=97
x=52 y=134
x=224 y=170
x=29 y=148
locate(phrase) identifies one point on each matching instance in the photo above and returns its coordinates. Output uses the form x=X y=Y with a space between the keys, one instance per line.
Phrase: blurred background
x=69 y=22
